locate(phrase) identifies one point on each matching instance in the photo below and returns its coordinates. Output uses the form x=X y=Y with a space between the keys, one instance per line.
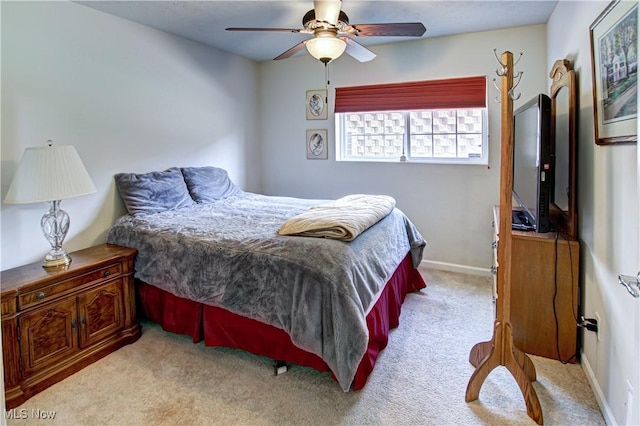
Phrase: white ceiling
x=205 y=21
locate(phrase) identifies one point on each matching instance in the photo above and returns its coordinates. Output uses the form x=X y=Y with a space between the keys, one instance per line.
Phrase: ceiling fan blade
x=286 y=30
x=289 y=53
x=358 y=51
x=407 y=29
x=327 y=10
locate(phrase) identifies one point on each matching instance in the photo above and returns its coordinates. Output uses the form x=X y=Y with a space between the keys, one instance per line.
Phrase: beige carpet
x=420 y=379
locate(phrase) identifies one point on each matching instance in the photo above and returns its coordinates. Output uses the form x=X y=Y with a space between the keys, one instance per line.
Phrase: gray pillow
x=208 y=184
x=153 y=192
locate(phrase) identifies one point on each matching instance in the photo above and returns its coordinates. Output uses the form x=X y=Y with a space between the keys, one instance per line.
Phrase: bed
x=212 y=264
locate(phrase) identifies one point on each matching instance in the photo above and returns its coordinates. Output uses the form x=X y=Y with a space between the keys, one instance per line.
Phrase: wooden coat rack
x=500 y=350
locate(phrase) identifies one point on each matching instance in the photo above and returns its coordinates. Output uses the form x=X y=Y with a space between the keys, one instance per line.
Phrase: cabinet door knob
x=40 y=295
x=106 y=273
x=74 y=324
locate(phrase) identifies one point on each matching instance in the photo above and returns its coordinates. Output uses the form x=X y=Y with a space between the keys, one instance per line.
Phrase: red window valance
x=466 y=92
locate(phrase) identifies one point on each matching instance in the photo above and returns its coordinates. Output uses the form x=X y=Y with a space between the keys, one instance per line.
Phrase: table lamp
x=50 y=174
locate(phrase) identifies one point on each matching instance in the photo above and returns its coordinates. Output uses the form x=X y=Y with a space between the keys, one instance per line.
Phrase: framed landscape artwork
x=614 y=61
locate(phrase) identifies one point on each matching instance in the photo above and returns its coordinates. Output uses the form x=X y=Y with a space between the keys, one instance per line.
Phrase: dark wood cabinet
x=100 y=312
x=544 y=293
x=57 y=321
x=47 y=336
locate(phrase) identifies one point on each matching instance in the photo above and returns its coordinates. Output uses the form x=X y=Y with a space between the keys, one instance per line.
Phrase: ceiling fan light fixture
x=326 y=48
x=333 y=35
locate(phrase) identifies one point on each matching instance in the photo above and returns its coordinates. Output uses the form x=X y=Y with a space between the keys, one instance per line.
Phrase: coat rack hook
x=503 y=67
x=517 y=60
x=511 y=92
x=495 y=84
x=495 y=53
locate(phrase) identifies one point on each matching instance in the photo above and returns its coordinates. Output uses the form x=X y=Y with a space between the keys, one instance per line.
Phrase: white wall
x=608 y=224
x=450 y=204
x=129 y=98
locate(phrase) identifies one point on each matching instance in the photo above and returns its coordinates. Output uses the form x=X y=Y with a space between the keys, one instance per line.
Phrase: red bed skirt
x=219 y=327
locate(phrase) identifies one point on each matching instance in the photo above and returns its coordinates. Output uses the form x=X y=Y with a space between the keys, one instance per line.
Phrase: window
x=452 y=135
x=443 y=121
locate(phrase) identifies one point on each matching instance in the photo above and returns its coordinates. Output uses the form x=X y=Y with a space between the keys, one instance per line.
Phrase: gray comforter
x=228 y=254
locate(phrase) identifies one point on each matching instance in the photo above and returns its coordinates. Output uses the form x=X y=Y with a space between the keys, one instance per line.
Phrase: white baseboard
x=597 y=391
x=453 y=267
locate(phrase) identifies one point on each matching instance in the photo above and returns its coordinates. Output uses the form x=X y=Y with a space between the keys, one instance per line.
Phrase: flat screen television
x=533 y=171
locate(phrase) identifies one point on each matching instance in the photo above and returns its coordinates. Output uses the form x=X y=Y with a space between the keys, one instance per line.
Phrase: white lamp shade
x=327 y=48
x=49 y=173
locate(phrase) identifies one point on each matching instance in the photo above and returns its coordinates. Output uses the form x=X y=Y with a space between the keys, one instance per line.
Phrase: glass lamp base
x=55 y=224
x=56 y=259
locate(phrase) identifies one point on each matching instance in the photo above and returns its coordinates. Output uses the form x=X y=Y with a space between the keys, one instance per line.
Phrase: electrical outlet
x=597 y=315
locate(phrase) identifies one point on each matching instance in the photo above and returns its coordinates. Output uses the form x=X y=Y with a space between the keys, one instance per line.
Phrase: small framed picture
x=317 y=144
x=317 y=105
x=614 y=53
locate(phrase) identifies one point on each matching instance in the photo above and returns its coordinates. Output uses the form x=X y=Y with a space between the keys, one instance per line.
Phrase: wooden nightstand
x=57 y=321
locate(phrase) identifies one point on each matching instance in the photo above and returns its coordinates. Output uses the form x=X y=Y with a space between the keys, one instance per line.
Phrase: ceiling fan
x=332 y=33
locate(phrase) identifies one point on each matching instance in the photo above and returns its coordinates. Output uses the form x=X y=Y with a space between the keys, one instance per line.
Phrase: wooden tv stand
x=544 y=275
x=57 y=321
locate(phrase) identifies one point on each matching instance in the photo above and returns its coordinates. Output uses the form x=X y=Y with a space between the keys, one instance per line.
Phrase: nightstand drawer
x=46 y=294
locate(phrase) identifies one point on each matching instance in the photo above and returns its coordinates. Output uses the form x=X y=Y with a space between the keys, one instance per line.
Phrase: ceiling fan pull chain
x=326 y=86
